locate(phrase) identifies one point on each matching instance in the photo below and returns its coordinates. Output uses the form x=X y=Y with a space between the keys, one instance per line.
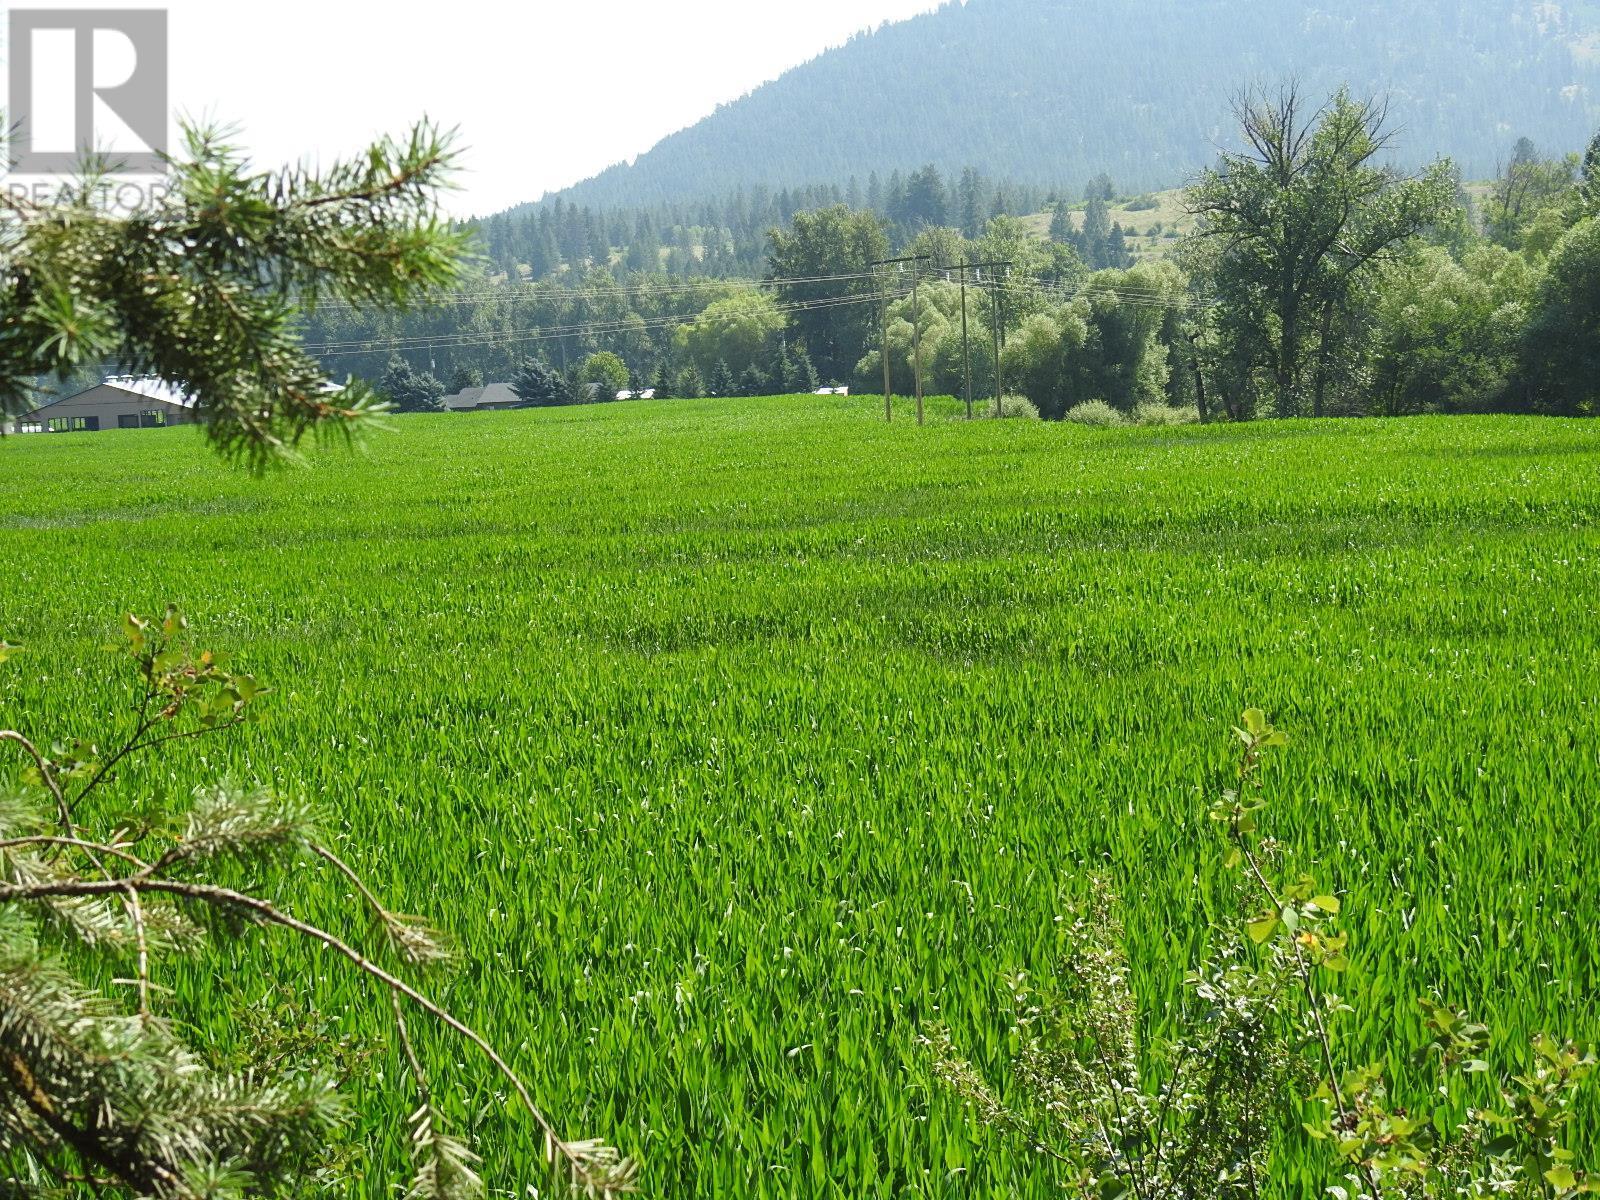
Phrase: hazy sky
x=545 y=92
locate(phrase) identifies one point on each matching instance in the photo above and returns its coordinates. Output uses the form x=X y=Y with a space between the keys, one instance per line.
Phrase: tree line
x=726 y=235
x=1321 y=280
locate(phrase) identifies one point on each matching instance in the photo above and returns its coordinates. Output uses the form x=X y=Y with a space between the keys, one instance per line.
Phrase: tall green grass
x=734 y=741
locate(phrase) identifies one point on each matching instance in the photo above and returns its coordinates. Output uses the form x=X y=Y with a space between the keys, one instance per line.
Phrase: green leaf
x=133 y=628
x=8 y=650
x=1327 y=904
x=1561 y=1178
x=1255 y=721
x=1263 y=927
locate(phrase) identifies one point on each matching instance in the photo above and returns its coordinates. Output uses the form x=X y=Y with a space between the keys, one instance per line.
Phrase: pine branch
x=592 y=1166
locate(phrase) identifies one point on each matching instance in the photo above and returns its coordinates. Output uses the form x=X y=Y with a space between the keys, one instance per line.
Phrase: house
x=832 y=391
x=494 y=397
x=647 y=394
x=121 y=402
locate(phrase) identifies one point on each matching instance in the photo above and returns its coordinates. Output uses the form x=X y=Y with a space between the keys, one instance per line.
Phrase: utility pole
x=916 y=339
x=999 y=333
x=888 y=395
x=966 y=346
x=966 y=340
x=888 y=392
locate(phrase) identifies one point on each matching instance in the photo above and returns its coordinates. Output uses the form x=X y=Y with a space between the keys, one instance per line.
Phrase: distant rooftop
x=152 y=387
x=495 y=395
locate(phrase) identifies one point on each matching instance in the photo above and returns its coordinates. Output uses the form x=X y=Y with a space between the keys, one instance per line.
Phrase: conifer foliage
x=104 y=1082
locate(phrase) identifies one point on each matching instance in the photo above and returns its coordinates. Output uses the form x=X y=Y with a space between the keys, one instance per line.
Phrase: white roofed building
x=121 y=402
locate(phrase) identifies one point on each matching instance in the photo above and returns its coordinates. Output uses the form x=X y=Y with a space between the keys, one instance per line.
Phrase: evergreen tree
x=1095 y=234
x=427 y=394
x=802 y=378
x=754 y=382
x=397 y=381
x=663 y=382
x=722 y=380
x=1117 y=253
x=1589 y=181
x=1062 y=230
x=466 y=376
x=644 y=251
x=411 y=391
x=537 y=384
x=690 y=385
x=925 y=200
x=544 y=256
x=970 y=203
x=1101 y=188
x=894 y=199
x=781 y=369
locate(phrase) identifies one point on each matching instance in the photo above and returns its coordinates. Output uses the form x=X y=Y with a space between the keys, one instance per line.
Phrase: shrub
x=1166 y=414
x=1196 y=1115
x=1097 y=413
x=1016 y=406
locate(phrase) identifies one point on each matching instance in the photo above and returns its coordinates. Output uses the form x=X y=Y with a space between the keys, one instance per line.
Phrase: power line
x=550 y=333
x=530 y=293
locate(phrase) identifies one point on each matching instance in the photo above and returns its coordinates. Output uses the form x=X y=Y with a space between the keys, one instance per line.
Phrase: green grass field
x=734 y=741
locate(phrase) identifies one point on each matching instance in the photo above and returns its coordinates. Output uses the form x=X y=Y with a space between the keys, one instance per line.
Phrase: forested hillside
x=1053 y=92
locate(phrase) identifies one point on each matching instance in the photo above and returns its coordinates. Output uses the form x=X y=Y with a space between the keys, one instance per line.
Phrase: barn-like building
x=121 y=402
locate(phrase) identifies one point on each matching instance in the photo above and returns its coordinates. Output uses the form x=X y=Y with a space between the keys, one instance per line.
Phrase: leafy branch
x=85 y=1075
x=1195 y=1116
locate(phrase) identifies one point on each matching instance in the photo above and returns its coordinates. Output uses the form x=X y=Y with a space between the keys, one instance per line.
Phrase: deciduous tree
x=831 y=242
x=1299 y=215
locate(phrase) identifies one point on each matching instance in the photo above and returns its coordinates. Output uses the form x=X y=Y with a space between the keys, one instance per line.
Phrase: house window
x=153 y=417
x=31 y=427
x=127 y=421
x=73 y=424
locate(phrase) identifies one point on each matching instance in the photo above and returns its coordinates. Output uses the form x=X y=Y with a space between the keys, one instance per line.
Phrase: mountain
x=1050 y=91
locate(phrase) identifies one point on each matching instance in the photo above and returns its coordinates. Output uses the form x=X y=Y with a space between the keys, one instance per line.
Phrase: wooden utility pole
x=966 y=339
x=1000 y=282
x=916 y=339
x=888 y=396
x=966 y=345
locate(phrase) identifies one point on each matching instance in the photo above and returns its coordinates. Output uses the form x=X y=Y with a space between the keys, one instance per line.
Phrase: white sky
x=545 y=92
